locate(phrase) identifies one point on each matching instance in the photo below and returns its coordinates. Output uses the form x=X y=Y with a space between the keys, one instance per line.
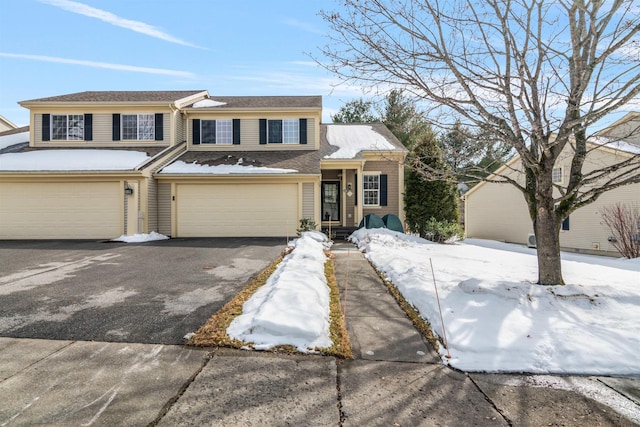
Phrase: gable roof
x=117 y=97
x=7 y=123
x=257 y=102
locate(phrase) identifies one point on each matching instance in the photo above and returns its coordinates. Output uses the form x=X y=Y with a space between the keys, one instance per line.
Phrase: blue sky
x=251 y=47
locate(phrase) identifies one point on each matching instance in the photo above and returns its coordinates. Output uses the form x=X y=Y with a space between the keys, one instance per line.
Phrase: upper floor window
x=371 y=190
x=219 y=132
x=138 y=127
x=216 y=132
x=67 y=127
x=283 y=131
x=556 y=175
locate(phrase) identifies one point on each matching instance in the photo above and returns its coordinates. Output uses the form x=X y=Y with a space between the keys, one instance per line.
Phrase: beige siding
x=586 y=230
x=236 y=210
x=152 y=205
x=349 y=202
x=390 y=168
x=47 y=210
x=498 y=212
x=180 y=134
x=164 y=208
x=250 y=136
x=102 y=128
x=308 y=200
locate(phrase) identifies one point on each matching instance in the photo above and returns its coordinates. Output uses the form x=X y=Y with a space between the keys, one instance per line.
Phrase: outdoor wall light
x=128 y=190
x=349 y=186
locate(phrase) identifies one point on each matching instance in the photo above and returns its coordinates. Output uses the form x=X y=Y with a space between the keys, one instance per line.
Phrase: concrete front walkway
x=395 y=379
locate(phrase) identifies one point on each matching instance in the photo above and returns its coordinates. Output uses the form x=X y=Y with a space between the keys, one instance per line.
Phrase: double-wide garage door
x=229 y=210
x=49 y=210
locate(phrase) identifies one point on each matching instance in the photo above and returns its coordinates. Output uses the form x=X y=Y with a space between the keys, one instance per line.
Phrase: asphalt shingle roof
x=257 y=102
x=120 y=96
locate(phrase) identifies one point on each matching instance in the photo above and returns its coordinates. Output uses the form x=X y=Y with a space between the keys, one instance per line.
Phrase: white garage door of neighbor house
x=245 y=210
x=76 y=210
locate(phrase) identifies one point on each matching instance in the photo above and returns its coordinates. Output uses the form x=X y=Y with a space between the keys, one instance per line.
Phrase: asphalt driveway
x=154 y=292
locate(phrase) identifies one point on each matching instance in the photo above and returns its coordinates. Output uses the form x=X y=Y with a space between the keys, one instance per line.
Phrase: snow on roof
x=195 y=168
x=16 y=138
x=353 y=139
x=616 y=144
x=208 y=103
x=72 y=160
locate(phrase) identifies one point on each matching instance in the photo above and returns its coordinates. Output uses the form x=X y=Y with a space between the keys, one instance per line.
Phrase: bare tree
x=533 y=74
x=624 y=224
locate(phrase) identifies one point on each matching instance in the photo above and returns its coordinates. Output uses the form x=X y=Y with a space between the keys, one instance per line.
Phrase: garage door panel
x=60 y=210
x=250 y=210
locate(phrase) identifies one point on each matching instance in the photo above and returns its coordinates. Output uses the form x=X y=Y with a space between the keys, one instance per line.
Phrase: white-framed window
x=67 y=127
x=371 y=190
x=285 y=131
x=556 y=175
x=216 y=131
x=290 y=131
x=138 y=127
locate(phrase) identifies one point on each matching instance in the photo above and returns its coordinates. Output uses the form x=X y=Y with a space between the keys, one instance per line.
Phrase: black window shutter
x=303 y=131
x=88 y=127
x=196 y=131
x=565 y=224
x=383 y=190
x=46 y=127
x=236 y=131
x=159 y=122
x=263 y=131
x=355 y=189
x=115 y=127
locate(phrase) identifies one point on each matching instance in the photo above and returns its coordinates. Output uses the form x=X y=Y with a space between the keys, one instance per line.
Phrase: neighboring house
x=103 y=164
x=499 y=212
x=6 y=125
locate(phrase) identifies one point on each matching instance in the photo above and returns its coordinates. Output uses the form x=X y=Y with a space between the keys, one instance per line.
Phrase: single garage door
x=61 y=210
x=245 y=210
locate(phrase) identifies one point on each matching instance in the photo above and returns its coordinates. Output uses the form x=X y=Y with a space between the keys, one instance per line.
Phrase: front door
x=331 y=200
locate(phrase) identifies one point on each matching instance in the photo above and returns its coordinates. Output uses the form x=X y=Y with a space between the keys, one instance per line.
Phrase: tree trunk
x=547 y=229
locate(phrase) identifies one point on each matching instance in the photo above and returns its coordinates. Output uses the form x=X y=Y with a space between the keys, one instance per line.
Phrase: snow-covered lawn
x=293 y=306
x=497 y=319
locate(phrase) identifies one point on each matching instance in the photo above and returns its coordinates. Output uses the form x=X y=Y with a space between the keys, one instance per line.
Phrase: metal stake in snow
x=444 y=331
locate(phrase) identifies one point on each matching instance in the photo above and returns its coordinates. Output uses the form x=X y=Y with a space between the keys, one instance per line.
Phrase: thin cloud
x=94 y=64
x=110 y=18
x=304 y=26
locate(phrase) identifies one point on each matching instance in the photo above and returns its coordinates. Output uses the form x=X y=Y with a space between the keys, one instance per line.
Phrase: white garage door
x=60 y=210
x=249 y=210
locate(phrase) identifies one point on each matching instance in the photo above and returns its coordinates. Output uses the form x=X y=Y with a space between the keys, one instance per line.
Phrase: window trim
x=152 y=127
x=364 y=190
x=217 y=132
x=66 y=127
x=289 y=132
x=553 y=175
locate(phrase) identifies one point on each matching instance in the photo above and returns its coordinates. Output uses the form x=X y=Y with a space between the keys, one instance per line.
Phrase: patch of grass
x=214 y=332
x=338 y=327
x=418 y=321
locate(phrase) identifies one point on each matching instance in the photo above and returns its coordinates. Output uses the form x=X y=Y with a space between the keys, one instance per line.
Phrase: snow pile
x=182 y=167
x=141 y=238
x=72 y=160
x=208 y=103
x=352 y=139
x=498 y=319
x=16 y=138
x=293 y=306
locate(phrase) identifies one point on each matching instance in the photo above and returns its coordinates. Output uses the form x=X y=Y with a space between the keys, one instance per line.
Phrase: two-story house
x=185 y=164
